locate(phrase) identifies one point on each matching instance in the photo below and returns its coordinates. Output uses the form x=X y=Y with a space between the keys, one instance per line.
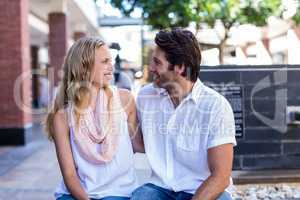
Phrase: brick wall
x=57 y=41
x=14 y=61
x=78 y=34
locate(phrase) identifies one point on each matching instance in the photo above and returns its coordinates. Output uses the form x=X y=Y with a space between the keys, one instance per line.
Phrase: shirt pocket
x=188 y=141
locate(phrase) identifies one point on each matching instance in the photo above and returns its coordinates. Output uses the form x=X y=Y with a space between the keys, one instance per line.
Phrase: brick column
x=297 y=31
x=266 y=43
x=35 y=79
x=78 y=34
x=57 y=41
x=14 y=61
x=80 y=31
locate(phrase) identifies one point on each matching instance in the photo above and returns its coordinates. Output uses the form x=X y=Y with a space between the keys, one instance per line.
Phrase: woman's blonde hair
x=76 y=81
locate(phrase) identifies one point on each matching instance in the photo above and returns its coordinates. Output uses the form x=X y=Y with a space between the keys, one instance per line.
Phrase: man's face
x=159 y=67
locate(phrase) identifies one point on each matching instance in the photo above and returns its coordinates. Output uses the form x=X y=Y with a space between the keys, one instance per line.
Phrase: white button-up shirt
x=177 y=139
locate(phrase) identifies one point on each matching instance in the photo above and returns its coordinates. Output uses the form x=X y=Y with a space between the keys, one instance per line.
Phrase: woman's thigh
x=69 y=197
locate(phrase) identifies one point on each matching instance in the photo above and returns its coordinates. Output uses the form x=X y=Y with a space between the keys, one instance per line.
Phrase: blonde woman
x=91 y=123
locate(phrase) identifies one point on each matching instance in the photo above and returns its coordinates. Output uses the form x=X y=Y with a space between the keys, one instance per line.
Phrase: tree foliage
x=161 y=14
x=170 y=13
x=296 y=17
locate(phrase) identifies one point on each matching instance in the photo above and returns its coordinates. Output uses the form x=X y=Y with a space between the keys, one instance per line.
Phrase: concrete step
x=266 y=176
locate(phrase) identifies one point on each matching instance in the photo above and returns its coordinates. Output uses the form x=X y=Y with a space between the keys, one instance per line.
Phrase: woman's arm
x=65 y=158
x=129 y=106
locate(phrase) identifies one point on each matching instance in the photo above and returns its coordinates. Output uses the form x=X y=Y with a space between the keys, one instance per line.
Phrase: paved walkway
x=31 y=172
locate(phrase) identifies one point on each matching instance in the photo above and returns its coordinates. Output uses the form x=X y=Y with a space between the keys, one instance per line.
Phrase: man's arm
x=220 y=160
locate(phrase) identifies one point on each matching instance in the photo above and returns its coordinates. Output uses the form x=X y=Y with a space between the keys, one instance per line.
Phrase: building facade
x=35 y=36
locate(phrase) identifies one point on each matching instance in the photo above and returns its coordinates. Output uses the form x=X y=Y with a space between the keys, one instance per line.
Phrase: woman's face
x=102 y=71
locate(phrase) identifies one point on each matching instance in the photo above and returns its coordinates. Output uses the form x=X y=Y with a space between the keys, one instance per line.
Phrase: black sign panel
x=234 y=94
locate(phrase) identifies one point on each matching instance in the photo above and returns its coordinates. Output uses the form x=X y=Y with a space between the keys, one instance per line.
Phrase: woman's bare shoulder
x=60 y=122
x=60 y=116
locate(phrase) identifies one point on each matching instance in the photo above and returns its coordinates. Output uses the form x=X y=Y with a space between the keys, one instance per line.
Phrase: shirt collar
x=196 y=91
x=160 y=91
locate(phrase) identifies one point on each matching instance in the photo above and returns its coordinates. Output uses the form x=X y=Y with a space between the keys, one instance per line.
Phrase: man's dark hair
x=181 y=47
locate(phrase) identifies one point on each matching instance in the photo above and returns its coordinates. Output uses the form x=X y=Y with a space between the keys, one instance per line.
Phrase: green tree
x=162 y=14
x=235 y=12
x=296 y=17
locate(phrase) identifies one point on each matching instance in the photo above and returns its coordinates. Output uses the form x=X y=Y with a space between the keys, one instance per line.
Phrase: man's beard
x=166 y=80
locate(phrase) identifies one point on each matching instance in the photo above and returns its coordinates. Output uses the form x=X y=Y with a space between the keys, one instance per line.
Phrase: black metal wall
x=260 y=96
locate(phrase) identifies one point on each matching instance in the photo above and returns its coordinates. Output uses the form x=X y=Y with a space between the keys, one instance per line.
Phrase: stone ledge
x=266 y=176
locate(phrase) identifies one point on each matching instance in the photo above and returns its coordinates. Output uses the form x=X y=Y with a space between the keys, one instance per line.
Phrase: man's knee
x=147 y=192
x=66 y=197
x=225 y=196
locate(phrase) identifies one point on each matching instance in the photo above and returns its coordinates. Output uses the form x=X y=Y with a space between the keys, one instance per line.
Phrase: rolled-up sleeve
x=222 y=125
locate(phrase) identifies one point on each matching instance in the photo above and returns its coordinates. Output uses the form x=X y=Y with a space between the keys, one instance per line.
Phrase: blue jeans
x=69 y=197
x=152 y=192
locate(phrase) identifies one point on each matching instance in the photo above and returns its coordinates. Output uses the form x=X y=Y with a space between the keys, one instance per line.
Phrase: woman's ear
x=179 y=69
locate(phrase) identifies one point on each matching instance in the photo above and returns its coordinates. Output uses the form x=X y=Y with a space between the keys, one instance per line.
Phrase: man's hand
x=220 y=164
